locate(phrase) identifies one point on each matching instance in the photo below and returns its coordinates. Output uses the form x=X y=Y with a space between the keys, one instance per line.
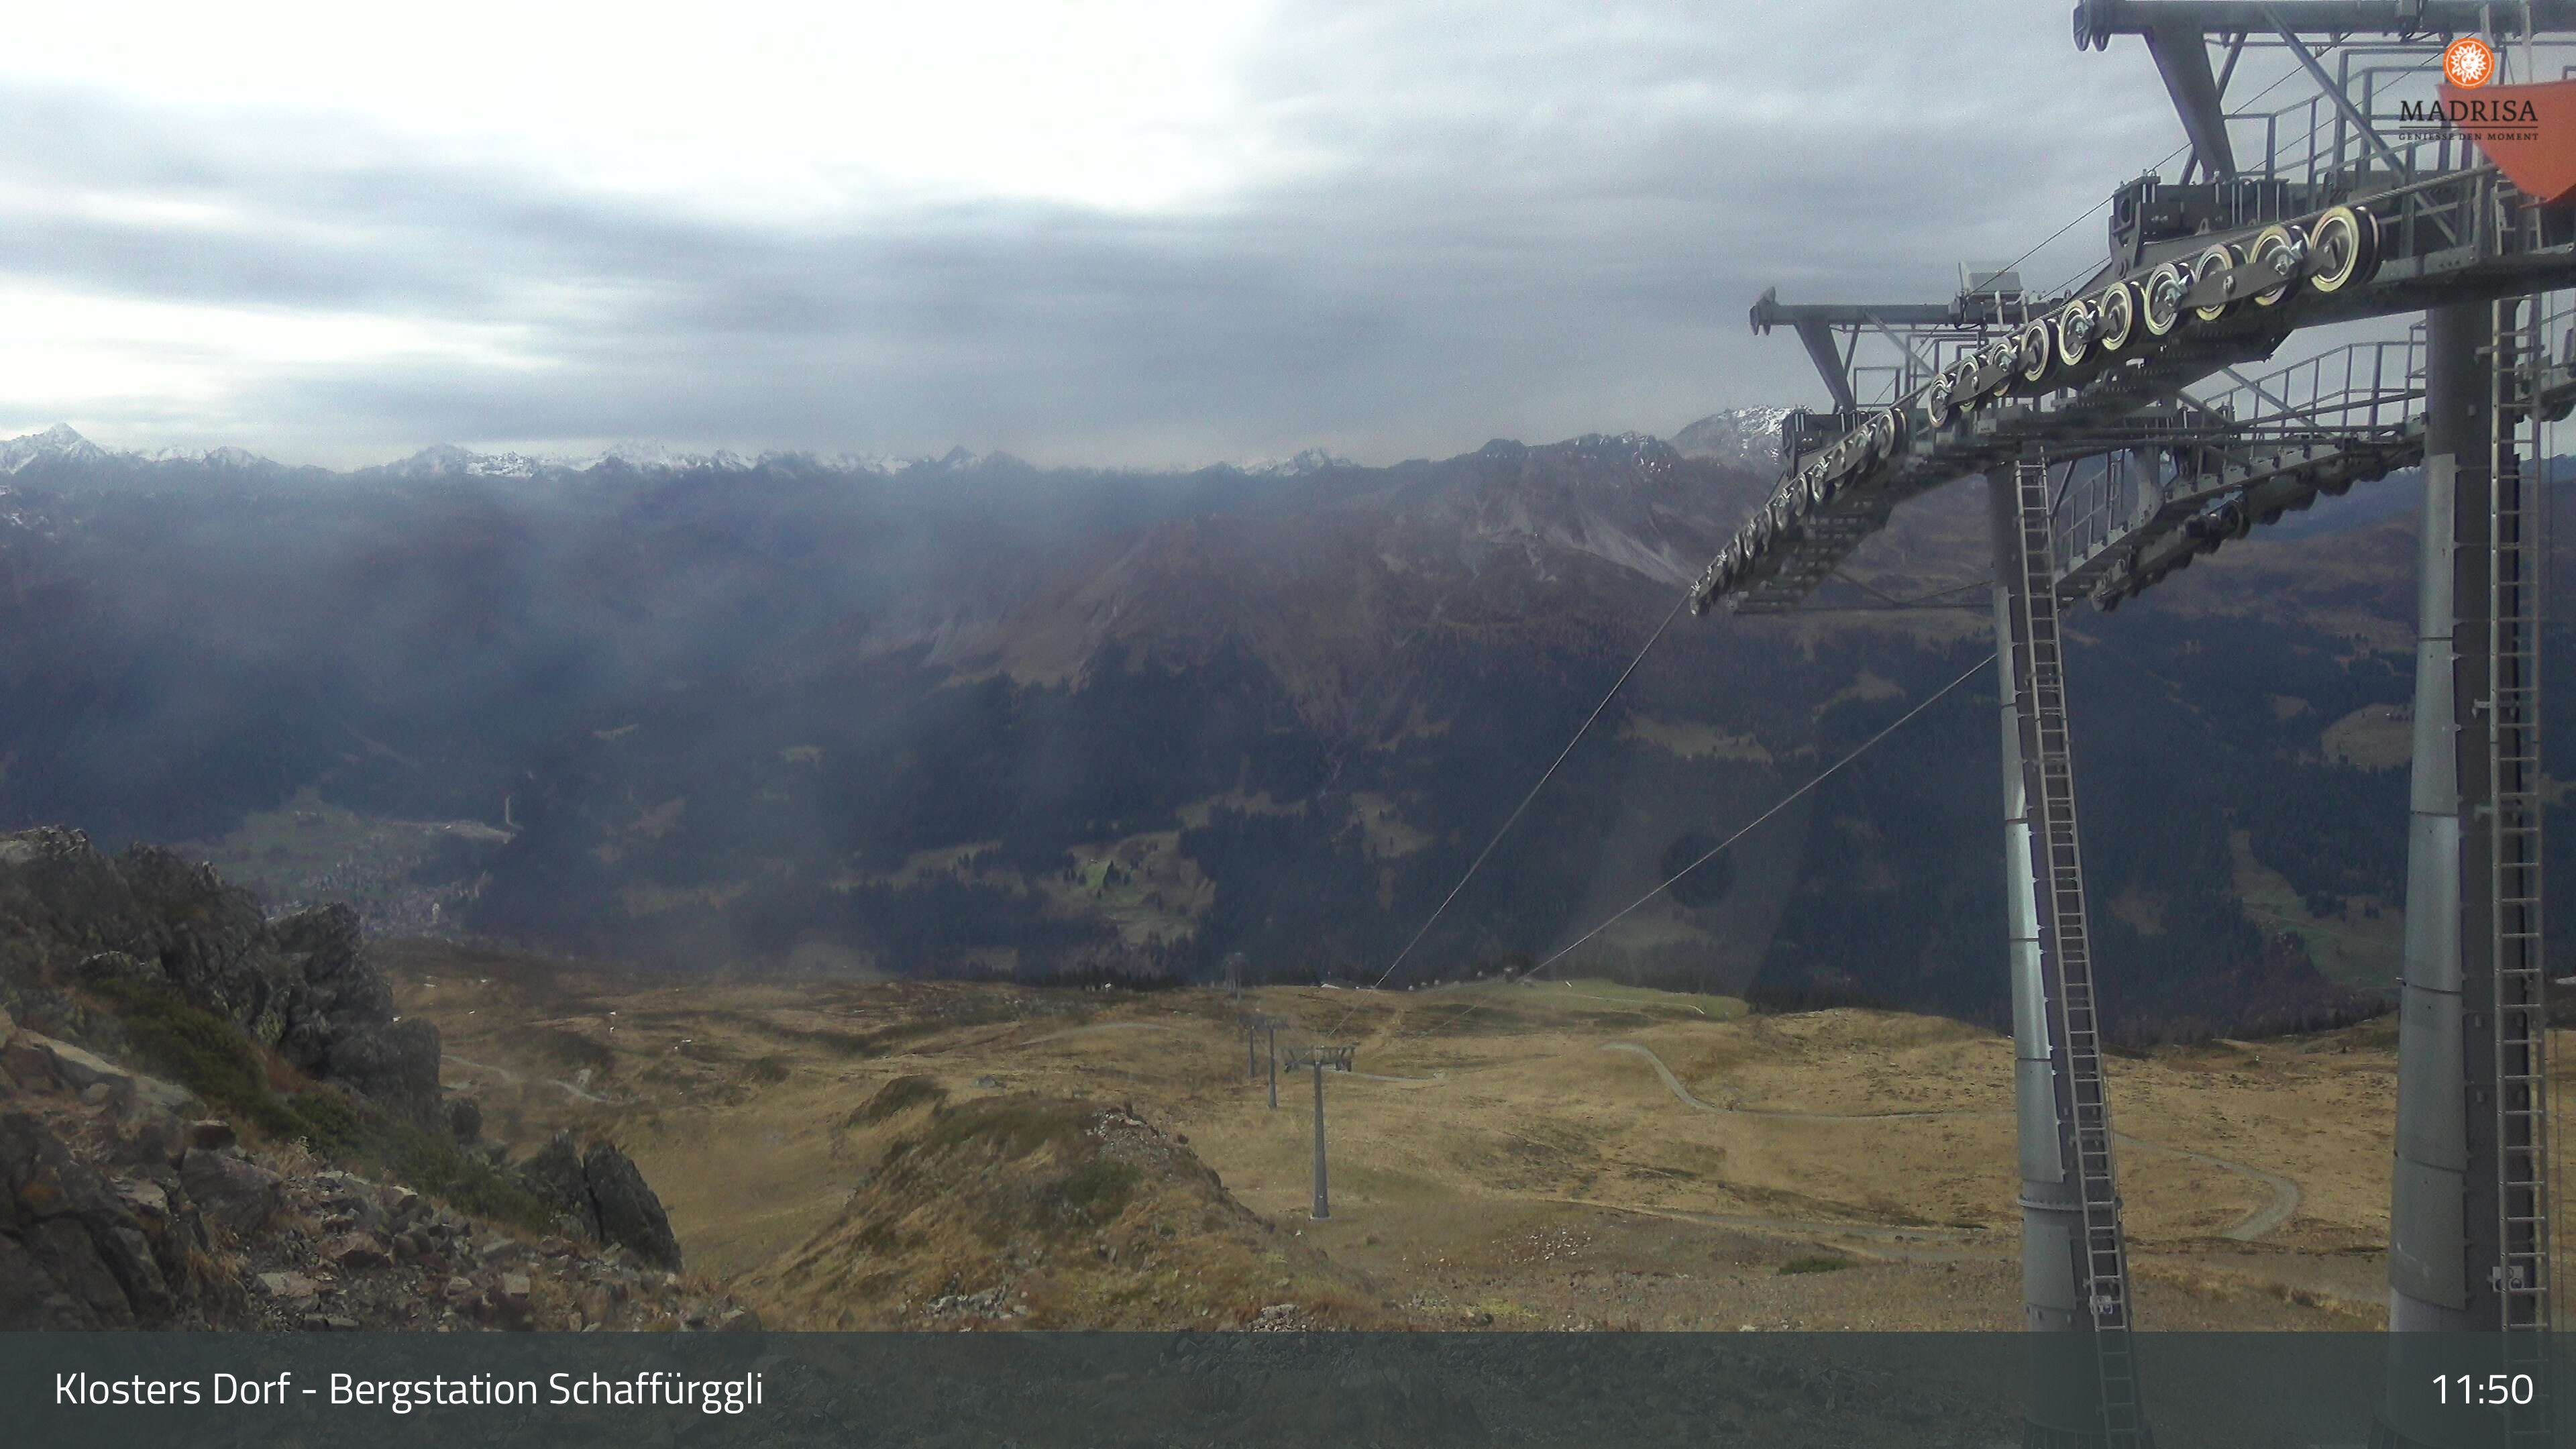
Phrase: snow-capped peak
x=61 y=444
x=58 y=442
x=1304 y=461
x=1746 y=438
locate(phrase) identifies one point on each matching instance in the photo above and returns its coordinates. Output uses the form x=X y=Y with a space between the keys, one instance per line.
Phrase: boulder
x=81 y=1070
x=396 y=1064
x=602 y=1193
x=627 y=1211
x=211 y=939
x=356 y=1252
x=289 y=1286
x=324 y=946
x=75 y=1253
x=236 y=1195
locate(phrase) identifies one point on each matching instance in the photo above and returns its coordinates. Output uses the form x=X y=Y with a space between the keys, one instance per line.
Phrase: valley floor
x=1547 y=1156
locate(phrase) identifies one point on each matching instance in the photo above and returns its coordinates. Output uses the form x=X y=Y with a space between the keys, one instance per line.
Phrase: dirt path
x=1094 y=1030
x=1885 y=1240
x=2285 y=1193
x=1435 y=1079
x=505 y=1074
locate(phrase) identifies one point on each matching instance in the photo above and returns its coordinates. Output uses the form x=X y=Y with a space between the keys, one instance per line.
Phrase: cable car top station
x=2424 y=164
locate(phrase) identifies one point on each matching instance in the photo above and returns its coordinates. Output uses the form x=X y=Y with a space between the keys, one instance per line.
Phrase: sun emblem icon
x=2469 y=63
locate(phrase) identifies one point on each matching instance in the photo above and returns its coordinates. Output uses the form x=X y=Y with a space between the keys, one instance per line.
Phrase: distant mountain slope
x=968 y=714
x=1746 y=438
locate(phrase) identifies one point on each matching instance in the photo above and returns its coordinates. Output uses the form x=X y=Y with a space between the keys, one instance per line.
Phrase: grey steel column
x=2442 y=1210
x=2051 y=1205
x=2063 y=1401
x=1323 y=1209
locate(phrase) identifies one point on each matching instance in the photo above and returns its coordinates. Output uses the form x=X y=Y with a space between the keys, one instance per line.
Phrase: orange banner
x=2528 y=131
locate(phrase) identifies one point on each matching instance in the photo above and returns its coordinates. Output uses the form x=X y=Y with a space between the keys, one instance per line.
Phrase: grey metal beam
x=2182 y=58
x=2353 y=115
x=2096 y=21
x=1819 y=340
x=1771 y=312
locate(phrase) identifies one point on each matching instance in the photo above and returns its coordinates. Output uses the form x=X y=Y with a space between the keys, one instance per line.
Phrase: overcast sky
x=1131 y=233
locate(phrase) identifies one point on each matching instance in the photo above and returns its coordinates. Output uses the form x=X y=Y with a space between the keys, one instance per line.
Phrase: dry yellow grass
x=1505 y=1155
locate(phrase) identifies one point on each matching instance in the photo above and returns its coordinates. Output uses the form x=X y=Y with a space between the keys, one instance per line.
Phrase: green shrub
x=1101 y=1186
x=212 y=1057
x=1814 y=1263
x=201 y=1051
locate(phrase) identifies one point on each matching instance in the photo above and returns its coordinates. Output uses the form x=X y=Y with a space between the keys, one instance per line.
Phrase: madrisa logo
x=2482 y=118
x=2528 y=130
x=2469 y=63
x=2466 y=106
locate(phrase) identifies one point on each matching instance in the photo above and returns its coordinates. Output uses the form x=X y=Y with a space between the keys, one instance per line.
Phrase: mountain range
x=967 y=715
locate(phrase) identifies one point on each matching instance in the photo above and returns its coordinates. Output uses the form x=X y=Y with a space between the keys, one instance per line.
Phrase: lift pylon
x=2074 y=1253
x=2338 y=206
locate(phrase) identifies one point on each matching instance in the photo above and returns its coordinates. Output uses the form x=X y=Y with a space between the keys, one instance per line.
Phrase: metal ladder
x=2059 y=873
x=2521 y=1017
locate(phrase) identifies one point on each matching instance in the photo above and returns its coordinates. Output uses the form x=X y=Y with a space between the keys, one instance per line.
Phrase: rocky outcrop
x=117 y=1213
x=302 y=985
x=95 y=1229
x=601 y=1194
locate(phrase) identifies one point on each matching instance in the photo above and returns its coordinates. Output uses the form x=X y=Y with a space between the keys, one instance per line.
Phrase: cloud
x=1406 y=228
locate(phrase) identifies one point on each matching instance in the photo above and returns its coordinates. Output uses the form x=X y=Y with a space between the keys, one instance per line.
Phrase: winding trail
x=1094 y=1030
x=1434 y=1080
x=1885 y=1240
x=2254 y=1225
x=505 y=1074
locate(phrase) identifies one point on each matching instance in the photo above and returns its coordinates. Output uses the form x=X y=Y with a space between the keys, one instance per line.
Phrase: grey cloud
x=1511 y=225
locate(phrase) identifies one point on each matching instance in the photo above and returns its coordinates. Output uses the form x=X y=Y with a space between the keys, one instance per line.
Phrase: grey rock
x=154 y=1140
x=396 y=1064
x=239 y=1196
x=626 y=1209
x=290 y=1286
x=212 y=1133
x=604 y=1195
x=73 y=1252
x=29 y=1067
x=356 y=1252
x=150 y=919
x=84 y=1070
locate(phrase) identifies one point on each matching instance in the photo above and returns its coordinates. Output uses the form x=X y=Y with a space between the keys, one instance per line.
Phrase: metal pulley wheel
x=2076 y=325
x=2219 y=258
x=2346 y=240
x=1954 y=388
x=2119 y=317
x=2160 y=301
x=2282 y=247
x=1884 y=431
x=2005 y=358
x=2035 y=353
